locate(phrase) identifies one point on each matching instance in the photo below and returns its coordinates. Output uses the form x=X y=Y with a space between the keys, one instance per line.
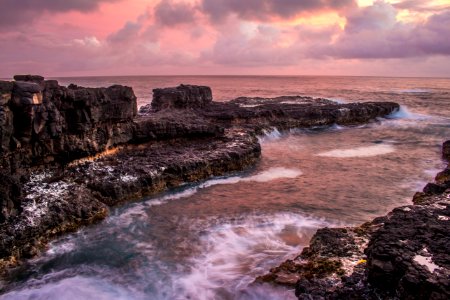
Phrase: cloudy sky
x=279 y=37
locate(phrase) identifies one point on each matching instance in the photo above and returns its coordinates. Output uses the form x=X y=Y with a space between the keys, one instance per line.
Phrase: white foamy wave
x=234 y=254
x=336 y=127
x=59 y=247
x=405 y=113
x=338 y=100
x=366 y=151
x=137 y=211
x=265 y=176
x=414 y=91
x=270 y=135
x=77 y=287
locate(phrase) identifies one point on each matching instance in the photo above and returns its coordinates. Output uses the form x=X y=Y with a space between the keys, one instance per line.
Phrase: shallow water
x=210 y=240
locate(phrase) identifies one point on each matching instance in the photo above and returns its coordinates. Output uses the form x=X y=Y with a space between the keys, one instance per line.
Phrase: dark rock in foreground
x=404 y=255
x=68 y=153
x=42 y=123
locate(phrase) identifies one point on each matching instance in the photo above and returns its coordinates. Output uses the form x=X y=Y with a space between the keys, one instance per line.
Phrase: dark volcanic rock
x=139 y=170
x=49 y=209
x=409 y=257
x=58 y=202
x=170 y=124
x=258 y=114
x=294 y=112
x=183 y=96
x=10 y=196
x=42 y=122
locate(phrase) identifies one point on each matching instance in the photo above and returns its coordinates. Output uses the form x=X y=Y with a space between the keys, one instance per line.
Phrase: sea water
x=210 y=240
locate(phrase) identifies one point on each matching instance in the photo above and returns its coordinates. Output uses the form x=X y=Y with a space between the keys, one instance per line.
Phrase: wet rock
x=331 y=242
x=10 y=196
x=139 y=170
x=409 y=256
x=181 y=97
x=294 y=112
x=49 y=209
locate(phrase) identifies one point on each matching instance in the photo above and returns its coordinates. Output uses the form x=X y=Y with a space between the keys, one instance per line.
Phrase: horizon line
x=228 y=75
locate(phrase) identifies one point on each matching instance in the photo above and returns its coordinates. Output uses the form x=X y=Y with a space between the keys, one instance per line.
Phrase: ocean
x=210 y=240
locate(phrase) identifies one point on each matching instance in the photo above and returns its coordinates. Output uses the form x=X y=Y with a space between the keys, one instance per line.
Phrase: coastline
x=79 y=151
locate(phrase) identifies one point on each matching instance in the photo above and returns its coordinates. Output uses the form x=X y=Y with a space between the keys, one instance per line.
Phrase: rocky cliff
x=69 y=153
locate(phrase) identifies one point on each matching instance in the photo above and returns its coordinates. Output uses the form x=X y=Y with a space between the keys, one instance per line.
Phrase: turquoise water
x=210 y=240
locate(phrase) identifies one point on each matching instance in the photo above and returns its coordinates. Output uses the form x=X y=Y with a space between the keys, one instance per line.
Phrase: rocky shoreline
x=67 y=154
x=403 y=255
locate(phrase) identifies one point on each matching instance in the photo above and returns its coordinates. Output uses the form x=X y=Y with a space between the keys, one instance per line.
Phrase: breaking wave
x=235 y=253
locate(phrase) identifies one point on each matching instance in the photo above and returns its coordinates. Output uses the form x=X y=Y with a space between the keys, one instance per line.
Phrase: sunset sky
x=260 y=37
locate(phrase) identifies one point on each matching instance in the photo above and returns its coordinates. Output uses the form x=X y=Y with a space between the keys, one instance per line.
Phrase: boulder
x=182 y=97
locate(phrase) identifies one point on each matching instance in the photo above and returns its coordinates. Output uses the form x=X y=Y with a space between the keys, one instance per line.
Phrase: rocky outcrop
x=404 y=255
x=181 y=97
x=295 y=112
x=69 y=153
x=62 y=200
x=43 y=123
x=259 y=114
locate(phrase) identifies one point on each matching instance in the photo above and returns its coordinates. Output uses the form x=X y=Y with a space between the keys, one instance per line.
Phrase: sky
x=225 y=37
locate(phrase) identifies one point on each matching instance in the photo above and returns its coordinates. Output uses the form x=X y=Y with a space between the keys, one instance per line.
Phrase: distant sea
x=210 y=240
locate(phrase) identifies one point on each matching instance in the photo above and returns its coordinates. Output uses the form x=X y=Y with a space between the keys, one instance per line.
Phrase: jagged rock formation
x=42 y=122
x=68 y=153
x=404 y=255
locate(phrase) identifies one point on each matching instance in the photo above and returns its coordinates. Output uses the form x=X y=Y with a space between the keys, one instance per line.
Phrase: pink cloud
x=23 y=12
x=219 y=37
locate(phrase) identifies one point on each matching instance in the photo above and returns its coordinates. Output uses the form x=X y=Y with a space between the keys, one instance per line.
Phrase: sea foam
x=236 y=252
x=366 y=151
x=405 y=113
x=78 y=287
x=270 y=135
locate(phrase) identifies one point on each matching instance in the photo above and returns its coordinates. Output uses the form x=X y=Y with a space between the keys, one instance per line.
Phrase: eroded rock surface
x=43 y=123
